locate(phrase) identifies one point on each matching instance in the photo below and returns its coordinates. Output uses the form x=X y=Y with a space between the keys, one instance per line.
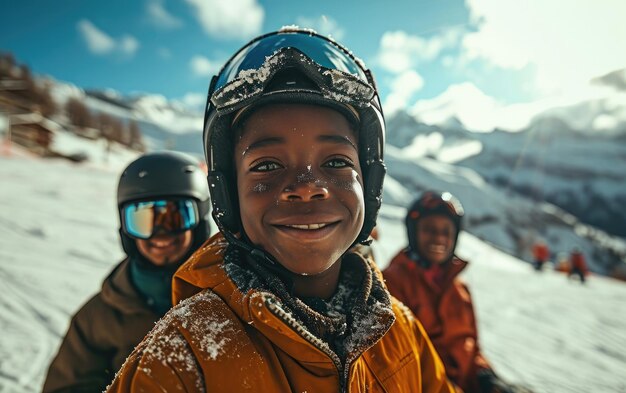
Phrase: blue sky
x=475 y=55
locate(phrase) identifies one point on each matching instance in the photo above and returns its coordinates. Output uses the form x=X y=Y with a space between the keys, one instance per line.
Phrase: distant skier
x=578 y=266
x=163 y=204
x=541 y=253
x=424 y=277
x=562 y=263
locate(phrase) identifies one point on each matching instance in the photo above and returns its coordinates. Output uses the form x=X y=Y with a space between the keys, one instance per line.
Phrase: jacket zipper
x=290 y=321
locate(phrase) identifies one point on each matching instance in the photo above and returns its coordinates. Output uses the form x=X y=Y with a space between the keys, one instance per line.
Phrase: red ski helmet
x=432 y=203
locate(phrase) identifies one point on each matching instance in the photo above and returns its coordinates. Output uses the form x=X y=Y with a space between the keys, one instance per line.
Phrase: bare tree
x=136 y=137
x=78 y=113
x=7 y=65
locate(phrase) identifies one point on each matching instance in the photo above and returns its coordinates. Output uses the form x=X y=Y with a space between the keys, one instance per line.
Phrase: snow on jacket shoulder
x=220 y=339
x=100 y=337
x=446 y=312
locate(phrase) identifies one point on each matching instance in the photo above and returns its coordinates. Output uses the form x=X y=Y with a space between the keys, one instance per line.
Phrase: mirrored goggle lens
x=322 y=51
x=144 y=219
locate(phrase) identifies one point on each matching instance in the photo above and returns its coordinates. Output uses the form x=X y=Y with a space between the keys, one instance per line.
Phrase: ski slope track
x=58 y=241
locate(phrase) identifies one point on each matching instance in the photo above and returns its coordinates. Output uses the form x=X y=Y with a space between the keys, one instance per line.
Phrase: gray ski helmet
x=162 y=175
x=291 y=66
x=428 y=204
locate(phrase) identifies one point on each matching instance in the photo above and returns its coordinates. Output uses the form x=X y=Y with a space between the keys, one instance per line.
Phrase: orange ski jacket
x=221 y=339
x=446 y=312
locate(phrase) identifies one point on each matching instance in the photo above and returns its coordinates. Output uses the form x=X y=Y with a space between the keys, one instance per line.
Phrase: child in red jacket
x=541 y=253
x=578 y=265
x=424 y=276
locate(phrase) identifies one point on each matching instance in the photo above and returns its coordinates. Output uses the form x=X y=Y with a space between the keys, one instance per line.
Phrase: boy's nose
x=304 y=191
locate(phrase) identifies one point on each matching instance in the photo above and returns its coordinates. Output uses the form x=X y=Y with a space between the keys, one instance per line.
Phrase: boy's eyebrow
x=344 y=140
x=264 y=142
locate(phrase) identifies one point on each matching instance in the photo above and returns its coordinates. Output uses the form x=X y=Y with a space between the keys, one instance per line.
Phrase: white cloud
x=481 y=112
x=400 y=51
x=164 y=52
x=470 y=105
x=193 y=100
x=402 y=88
x=100 y=43
x=605 y=122
x=567 y=42
x=128 y=45
x=159 y=16
x=97 y=41
x=229 y=19
x=323 y=25
x=448 y=61
x=201 y=66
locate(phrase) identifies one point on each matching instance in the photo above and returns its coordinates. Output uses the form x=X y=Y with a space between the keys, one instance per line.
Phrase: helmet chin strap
x=423 y=262
x=262 y=258
x=259 y=257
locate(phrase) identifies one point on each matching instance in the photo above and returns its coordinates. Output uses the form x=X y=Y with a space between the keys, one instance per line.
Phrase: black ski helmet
x=161 y=175
x=291 y=66
x=428 y=204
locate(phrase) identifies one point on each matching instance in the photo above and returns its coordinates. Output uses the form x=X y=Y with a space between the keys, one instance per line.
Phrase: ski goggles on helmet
x=143 y=219
x=337 y=74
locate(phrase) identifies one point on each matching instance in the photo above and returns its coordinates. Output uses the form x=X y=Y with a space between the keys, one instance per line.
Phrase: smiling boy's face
x=300 y=185
x=436 y=236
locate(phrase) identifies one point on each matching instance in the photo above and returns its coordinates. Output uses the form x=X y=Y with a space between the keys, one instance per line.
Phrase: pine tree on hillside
x=47 y=105
x=7 y=66
x=136 y=137
x=78 y=113
x=108 y=126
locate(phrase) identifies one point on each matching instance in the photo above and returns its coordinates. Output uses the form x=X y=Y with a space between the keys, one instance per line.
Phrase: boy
x=163 y=204
x=275 y=303
x=424 y=277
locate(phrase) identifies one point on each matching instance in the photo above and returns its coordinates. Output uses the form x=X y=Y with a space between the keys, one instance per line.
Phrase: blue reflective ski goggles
x=143 y=219
x=338 y=74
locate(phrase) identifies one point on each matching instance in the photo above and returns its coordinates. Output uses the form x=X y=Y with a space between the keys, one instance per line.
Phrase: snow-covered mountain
x=164 y=123
x=550 y=161
x=560 y=179
x=549 y=177
x=551 y=180
x=59 y=240
x=597 y=106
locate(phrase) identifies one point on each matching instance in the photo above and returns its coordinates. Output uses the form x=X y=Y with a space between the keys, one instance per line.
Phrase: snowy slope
x=58 y=240
x=164 y=123
x=527 y=174
x=510 y=221
x=536 y=329
x=572 y=156
x=568 y=167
